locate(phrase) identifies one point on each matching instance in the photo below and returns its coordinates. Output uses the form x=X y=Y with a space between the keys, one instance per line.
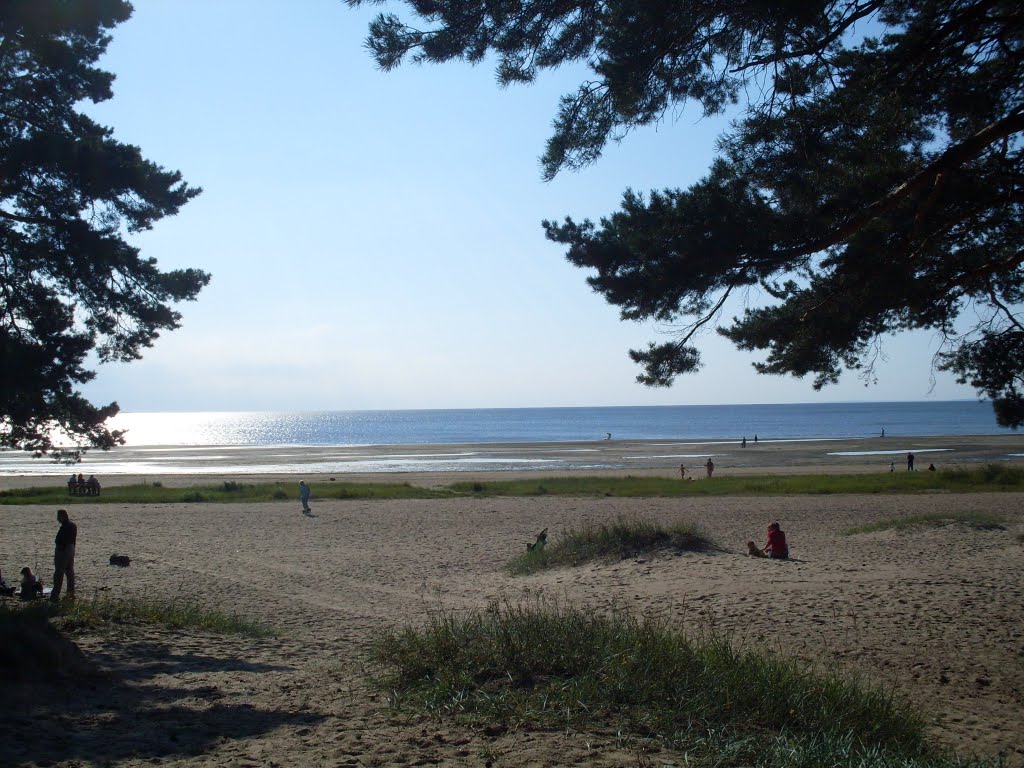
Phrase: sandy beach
x=937 y=614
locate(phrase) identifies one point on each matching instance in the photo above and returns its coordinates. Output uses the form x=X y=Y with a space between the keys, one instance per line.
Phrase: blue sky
x=374 y=238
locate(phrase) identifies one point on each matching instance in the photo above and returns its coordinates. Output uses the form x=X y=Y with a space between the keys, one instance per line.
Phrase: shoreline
x=439 y=463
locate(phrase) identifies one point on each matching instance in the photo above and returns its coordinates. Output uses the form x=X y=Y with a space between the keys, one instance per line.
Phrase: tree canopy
x=70 y=283
x=871 y=185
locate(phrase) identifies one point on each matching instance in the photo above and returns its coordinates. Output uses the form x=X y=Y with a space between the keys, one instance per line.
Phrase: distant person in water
x=304 y=496
x=709 y=465
x=755 y=439
x=910 y=462
x=609 y=436
x=883 y=431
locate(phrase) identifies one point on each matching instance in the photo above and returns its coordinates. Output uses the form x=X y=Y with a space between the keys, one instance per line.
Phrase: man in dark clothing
x=910 y=462
x=64 y=555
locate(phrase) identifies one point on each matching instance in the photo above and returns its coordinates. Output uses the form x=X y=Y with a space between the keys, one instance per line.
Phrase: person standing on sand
x=709 y=465
x=682 y=471
x=64 y=555
x=304 y=496
x=910 y=462
x=744 y=443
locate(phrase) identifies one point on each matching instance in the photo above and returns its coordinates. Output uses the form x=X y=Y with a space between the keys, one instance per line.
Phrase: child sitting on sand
x=775 y=548
x=31 y=587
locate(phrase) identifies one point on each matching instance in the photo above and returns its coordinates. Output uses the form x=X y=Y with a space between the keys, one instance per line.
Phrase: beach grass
x=178 y=613
x=541 y=664
x=987 y=478
x=620 y=539
x=226 y=492
x=34 y=642
x=990 y=477
x=979 y=520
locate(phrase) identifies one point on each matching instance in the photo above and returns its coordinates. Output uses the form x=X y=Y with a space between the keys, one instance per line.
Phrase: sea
x=530 y=425
x=222 y=442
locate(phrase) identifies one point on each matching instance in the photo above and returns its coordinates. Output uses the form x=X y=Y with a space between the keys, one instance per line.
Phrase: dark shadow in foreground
x=110 y=709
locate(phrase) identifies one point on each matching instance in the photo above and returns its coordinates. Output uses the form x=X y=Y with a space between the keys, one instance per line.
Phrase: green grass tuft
x=542 y=664
x=608 y=542
x=179 y=613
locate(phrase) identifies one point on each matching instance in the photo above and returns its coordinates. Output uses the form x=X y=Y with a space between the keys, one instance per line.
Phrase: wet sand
x=413 y=463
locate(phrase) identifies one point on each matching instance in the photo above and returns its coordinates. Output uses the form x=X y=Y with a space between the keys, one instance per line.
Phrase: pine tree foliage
x=70 y=283
x=872 y=184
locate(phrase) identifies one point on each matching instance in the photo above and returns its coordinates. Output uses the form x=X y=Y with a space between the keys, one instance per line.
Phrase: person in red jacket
x=775 y=548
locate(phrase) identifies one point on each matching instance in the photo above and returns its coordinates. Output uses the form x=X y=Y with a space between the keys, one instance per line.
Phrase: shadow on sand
x=135 y=703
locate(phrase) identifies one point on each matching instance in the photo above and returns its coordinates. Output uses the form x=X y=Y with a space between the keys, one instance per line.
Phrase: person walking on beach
x=682 y=471
x=910 y=462
x=709 y=465
x=64 y=555
x=304 y=496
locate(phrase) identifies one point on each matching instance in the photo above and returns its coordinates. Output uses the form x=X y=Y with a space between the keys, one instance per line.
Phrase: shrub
x=611 y=541
x=540 y=663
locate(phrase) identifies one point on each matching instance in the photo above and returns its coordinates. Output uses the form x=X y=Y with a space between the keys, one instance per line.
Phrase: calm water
x=359 y=441
x=523 y=425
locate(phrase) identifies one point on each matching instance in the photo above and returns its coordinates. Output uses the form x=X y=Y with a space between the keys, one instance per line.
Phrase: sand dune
x=937 y=614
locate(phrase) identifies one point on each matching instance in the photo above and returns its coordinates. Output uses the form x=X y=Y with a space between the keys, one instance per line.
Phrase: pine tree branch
x=951 y=158
x=818 y=46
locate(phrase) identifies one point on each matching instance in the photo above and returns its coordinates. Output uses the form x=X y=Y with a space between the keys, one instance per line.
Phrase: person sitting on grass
x=4 y=589
x=31 y=587
x=775 y=548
